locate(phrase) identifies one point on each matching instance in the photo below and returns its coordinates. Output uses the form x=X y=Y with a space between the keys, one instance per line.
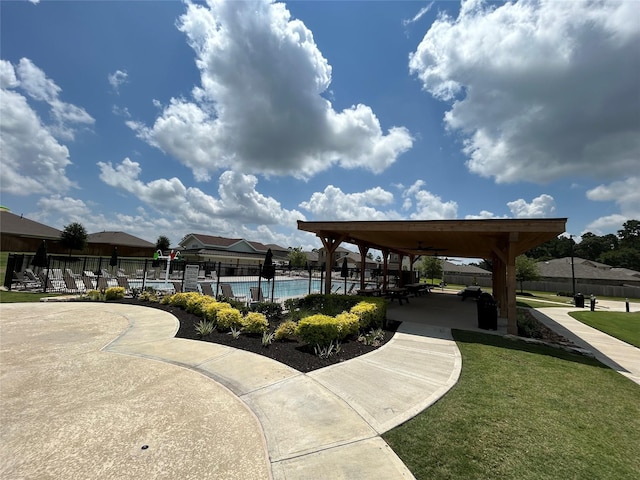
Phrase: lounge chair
x=350 y=291
x=70 y=283
x=257 y=296
x=46 y=281
x=227 y=292
x=31 y=276
x=103 y=283
x=207 y=289
x=70 y=272
x=88 y=282
x=22 y=280
x=124 y=283
x=177 y=286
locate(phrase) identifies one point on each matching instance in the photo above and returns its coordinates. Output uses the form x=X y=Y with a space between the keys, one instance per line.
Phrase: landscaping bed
x=290 y=352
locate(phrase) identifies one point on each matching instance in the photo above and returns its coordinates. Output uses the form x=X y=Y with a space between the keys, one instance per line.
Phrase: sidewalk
x=322 y=425
x=616 y=354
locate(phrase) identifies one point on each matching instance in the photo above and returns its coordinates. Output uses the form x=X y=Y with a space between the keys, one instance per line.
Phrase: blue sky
x=239 y=118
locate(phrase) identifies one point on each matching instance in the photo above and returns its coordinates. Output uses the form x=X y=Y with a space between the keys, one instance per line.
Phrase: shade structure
x=40 y=258
x=114 y=257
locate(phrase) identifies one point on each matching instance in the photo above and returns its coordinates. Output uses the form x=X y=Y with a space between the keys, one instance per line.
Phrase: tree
x=430 y=267
x=622 y=257
x=73 y=237
x=630 y=234
x=526 y=270
x=297 y=258
x=163 y=243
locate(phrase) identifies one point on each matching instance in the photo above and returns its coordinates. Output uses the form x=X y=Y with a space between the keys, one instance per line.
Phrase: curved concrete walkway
x=616 y=354
x=322 y=425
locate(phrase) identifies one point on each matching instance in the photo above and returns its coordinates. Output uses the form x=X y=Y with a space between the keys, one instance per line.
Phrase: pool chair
x=70 y=283
x=227 y=292
x=256 y=295
x=177 y=286
x=207 y=289
x=124 y=283
x=88 y=282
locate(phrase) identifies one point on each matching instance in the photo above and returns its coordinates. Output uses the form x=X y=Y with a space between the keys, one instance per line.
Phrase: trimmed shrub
x=348 y=324
x=113 y=293
x=197 y=304
x=286 y=330
x=318 y=330
x=255 y=322
x=181 y=299
x=229 y=317
x=366 y=313
x=210 y=311
x=94 y=295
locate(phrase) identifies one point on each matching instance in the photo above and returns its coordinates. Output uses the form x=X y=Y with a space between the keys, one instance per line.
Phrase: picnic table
x=369 y=292
x=418 y=288
x=399 y=293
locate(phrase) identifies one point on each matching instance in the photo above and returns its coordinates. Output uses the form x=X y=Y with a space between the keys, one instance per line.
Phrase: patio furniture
x=227 y=292
x=398 y=293
x=207 y=289
x=470 y=292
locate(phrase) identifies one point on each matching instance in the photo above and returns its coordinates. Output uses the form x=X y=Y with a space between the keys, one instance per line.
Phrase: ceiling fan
x=429 y=249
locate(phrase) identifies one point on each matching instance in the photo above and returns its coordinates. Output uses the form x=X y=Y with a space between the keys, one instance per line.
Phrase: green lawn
x=21 y=297
x=621 y=325
x=525 y=412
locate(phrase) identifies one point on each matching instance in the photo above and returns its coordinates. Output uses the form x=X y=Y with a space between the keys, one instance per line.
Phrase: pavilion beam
x=330 y=244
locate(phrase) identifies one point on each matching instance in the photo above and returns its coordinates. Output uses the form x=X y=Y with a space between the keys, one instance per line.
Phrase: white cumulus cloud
x=540 y=207
x=626 y=194
x=260 y=106
x=117 y=78
x=239 y=202
x=539 y=89
x=33 y=161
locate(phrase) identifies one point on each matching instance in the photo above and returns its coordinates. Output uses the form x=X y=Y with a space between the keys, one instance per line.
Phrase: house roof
x=584 y=269
x=13 y=224
x=450 y=267
x=118 y=238
x=223 y=243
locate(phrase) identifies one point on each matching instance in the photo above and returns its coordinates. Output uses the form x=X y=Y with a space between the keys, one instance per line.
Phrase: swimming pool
x=284 y=288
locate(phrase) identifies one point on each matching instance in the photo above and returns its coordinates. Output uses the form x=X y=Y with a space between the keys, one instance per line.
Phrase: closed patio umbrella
x=344 y=273
x=268 y=269
x=40 y=258
x=114 y=257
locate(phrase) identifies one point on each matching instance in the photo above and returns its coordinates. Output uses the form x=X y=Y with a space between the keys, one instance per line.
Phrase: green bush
x=210 y=311
x=181 y=299
x=114 y=293
x=271 y=310
x=348 y=324
x=197 y=304
x=255 y=322
x=367 y=313
x=228 y=318
x=94 y=295
x=286 y=330
x=318 y=330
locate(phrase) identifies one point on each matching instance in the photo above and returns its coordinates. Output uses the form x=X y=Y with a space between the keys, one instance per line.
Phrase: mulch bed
x=292 y=353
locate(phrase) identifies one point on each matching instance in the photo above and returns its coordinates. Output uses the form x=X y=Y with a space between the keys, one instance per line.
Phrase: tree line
x=619 y=250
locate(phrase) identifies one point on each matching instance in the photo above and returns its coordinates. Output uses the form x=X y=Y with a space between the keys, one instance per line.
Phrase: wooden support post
x=363 y=262
x=330 y=245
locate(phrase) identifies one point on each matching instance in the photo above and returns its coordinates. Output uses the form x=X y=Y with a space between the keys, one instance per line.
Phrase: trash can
x=579 y=300
x=487 y=312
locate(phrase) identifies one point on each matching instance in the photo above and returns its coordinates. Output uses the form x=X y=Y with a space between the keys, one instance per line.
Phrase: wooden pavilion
x=497 y=240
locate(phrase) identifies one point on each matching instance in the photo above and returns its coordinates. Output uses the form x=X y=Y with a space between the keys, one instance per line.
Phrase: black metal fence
x=65 y=274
